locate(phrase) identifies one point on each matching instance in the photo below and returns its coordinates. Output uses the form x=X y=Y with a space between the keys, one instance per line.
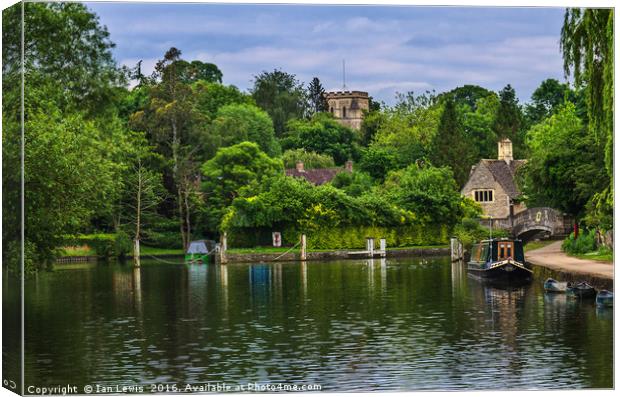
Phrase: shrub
x=585 y=242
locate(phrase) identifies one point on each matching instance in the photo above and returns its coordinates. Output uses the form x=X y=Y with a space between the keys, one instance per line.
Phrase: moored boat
x=198 y=251
x=499 y=259
x=552 y=285
x=605 y=298
x=581 y=290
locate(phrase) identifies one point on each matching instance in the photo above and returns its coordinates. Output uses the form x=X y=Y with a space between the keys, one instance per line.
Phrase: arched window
x=344 y=112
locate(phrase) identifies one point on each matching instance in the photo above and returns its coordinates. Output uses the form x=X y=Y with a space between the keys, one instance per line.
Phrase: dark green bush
x=585 y=242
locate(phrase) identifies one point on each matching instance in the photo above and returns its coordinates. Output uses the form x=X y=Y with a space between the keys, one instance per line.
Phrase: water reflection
x=366 y=325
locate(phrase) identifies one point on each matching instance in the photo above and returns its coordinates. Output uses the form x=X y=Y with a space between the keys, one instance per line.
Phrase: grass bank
x=534 y=245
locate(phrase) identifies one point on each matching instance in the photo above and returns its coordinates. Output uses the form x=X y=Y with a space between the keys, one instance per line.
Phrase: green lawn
x=603 y=255
x=534 y=245
x=145 y=250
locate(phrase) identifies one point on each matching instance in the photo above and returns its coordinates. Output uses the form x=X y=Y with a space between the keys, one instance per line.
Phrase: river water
x=406 y=324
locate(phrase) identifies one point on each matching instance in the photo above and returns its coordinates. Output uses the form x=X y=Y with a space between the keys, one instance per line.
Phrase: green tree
x=173 y=122
x=378 y=161
x=371 y=124
x=281 y=95
x=322 y=134
x=587 y=43
x=509 y=121
x=311 y=159
x=238 y=170
x=468 y=95
x=354 y=183
x=210 y=97
x=239 y=122
x=429 y=192
x=66 y=44
x=478 y=126
x=316 y=97
x=562 y=171
x=71 y=172
x=199 y=71
x=409 y=127
x=450 y=148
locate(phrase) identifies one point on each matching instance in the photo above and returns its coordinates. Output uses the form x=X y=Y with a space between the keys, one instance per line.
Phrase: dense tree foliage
x=310 y=159
x=450 y=148
x=239 y=122
x=508 y=121
x=316 y=97
x=587 y=43
x=281 y=96
x=322 y=134
x=235 y=171
x=562 y=172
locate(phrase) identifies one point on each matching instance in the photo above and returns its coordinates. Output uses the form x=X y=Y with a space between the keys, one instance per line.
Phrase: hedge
x=347 y=237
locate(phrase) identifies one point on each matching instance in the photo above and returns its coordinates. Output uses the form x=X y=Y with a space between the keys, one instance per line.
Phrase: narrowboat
x=499 y=259
x=580 y=290
x=198 y=251
x=605 y=298
x=552 y=285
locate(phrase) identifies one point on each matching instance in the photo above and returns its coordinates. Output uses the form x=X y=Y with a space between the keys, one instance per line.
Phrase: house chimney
x=299 y=165
x=348 y=166
x=504 y=150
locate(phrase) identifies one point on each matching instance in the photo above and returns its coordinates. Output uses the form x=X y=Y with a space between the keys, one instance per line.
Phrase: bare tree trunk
x=136 y=244
x=187 y=213
x=175 y=171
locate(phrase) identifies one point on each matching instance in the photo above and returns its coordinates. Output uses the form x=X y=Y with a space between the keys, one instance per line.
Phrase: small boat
x=580 y=290
x=605 y=298
x=198 y=251
x=499 y=259
x=552 y=285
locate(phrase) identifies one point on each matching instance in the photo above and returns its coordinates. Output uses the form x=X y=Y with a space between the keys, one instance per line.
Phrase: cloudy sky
x=387 y=49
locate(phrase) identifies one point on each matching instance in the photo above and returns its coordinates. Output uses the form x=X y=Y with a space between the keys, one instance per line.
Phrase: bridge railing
x=542 y=218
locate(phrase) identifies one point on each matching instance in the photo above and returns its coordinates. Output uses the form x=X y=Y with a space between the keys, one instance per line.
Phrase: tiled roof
x=318 y=176
x=504 y=174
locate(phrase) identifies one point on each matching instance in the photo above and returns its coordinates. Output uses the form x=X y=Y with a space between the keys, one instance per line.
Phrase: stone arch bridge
x=534 y=222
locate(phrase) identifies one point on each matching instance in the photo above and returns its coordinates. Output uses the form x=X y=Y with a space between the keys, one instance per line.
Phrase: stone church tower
x=348 y=106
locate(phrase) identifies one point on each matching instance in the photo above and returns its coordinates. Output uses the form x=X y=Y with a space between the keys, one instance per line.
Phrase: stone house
x=492 y=183
x=348 y=107
x=317 y=176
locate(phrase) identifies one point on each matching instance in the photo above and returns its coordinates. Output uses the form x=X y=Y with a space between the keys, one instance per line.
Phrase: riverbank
x=246 y=257
x=281 y=254
x=597 y=273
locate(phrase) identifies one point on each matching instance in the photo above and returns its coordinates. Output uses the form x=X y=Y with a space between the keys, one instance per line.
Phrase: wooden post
x=456 y=249
x=223 y=248
x=382 y=247
x=136 y=253
x=370 y=246
x=302 y=255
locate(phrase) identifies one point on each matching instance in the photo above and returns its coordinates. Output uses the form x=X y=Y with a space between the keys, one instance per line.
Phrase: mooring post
x=382 y=247
x=456 y=249
x=136 y=253
x=223 y=248
x=370 y=246
x=302 y=254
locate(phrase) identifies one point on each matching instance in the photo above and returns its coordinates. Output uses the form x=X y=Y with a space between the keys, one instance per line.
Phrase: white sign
x=277 y=239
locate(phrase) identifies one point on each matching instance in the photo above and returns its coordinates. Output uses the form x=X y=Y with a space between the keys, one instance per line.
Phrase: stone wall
x=355 y=103
x=482 y=179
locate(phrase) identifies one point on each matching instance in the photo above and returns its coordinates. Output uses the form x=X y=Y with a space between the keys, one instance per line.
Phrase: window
x=483 y=196
x=505 y=250
x=344 y=112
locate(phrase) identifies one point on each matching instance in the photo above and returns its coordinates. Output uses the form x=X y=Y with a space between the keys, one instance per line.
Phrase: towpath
x=552 y=257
